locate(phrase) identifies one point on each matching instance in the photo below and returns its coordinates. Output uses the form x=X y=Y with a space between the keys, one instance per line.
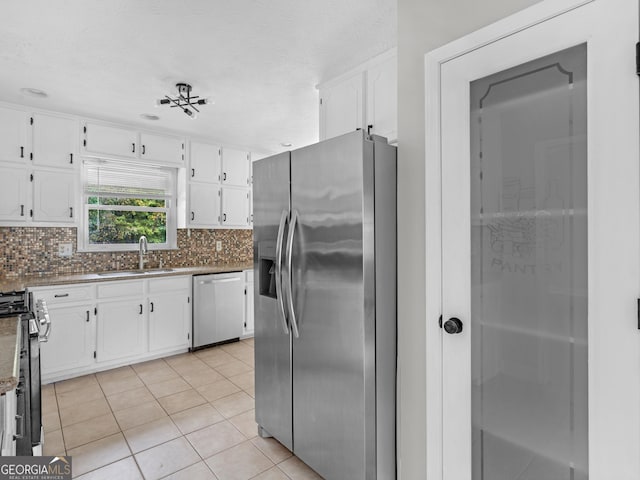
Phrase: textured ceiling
x=259 y=59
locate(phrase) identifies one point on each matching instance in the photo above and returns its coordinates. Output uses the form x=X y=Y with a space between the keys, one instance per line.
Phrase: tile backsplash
x=30 y=251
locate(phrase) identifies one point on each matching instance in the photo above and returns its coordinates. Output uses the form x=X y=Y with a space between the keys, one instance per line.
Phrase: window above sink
x=122 y=202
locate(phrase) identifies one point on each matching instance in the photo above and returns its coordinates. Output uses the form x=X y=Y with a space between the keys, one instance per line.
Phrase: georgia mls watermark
x=35 y=468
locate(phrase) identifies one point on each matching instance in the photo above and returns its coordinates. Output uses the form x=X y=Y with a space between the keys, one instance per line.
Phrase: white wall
x=422 y=26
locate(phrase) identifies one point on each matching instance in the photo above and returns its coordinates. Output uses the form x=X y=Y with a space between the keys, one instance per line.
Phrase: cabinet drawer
x=64 y=293
x=121 y=288
x=169 y=284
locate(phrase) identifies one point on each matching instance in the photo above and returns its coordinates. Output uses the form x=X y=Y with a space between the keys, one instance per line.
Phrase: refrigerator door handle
x=283 y=222
x=289 y=255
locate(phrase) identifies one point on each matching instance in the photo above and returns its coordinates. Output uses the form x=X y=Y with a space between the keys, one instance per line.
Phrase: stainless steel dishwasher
x=218 y=302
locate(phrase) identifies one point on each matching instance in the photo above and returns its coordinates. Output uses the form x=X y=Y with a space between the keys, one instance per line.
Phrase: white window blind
x=102 y=179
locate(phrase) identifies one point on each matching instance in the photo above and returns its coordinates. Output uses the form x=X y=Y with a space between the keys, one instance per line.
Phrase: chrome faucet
x=142 y=243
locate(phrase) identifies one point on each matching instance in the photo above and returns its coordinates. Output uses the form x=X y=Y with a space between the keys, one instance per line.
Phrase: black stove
x=29 y=410
x=14 y=303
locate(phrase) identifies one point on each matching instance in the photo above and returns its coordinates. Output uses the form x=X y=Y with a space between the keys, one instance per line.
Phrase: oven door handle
x=47 y=332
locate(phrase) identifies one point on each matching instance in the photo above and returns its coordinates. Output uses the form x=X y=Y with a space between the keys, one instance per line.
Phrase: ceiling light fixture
x=185 y=101
x=34 y=92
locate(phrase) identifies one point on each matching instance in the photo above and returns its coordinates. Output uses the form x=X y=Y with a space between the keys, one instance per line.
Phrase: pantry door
x=537 y=152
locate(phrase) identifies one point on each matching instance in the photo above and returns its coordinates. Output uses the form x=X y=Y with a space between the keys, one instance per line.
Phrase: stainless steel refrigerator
x=325 y=304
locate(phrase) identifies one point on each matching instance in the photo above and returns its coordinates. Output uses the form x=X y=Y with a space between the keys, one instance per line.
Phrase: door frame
x=534 y=15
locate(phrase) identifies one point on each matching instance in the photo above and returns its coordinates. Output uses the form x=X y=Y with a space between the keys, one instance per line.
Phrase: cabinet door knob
x=453 y=326
x=21 y=152
x=224 y=176
x=193 y=172
x=151 y=303
x=143 y=149
x=140 y=309
x=193 y=216
x=133 y=148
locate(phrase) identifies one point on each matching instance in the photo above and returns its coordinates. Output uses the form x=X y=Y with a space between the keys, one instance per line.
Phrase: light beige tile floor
x=189 y=416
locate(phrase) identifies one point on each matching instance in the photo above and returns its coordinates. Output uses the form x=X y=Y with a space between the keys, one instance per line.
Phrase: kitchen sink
x=126 y=273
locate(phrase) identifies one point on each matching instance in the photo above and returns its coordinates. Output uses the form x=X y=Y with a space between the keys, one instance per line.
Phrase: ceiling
x=260 y=60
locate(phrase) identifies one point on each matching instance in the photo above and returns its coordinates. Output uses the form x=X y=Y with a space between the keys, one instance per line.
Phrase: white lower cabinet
x=70 y=345
x=248 y=325
x=114 y=323
x=71 y=342
x=121 y=329
x=169 y=313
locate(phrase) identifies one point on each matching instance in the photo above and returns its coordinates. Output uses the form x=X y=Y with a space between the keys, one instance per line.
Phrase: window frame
x=171 y=209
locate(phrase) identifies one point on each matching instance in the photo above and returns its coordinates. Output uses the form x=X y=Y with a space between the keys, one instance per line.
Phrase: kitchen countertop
x=9 y=353
x=20 y=283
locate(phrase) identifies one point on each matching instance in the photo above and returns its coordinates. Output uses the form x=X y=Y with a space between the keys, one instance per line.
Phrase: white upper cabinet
x=112 y=141
x=14 y=135
x=55 y=141
x=382 y=98
x=109 y=141
x=162 y=148
x=54 y=196
x=365 y=97
x=14 y=183
x=205 y=163
x=235 y=206
x=204 y=205
x=342 y=106
x=236 y=166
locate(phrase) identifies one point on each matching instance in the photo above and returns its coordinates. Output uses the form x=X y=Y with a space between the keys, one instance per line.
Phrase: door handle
x=289 y=255
x=193 y=172
x=19 y=421
x=144 y=149
x=453 y=326
x=47 y=332
x=283 y=222
x=140 y=309
x=151 y=303
x=133 y=148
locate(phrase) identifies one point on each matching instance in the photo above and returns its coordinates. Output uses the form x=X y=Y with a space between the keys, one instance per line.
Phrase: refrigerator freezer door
x=334 y=355
x=272 y=344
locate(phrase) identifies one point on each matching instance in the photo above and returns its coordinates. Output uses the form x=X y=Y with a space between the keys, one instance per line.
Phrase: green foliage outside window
x=126 y=226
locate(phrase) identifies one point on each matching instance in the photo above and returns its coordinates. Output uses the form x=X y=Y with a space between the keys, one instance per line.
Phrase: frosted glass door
x=534 y=373
x=529 y=270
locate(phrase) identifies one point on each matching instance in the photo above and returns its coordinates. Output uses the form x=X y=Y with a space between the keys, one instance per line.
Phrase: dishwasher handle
x=218 y=280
